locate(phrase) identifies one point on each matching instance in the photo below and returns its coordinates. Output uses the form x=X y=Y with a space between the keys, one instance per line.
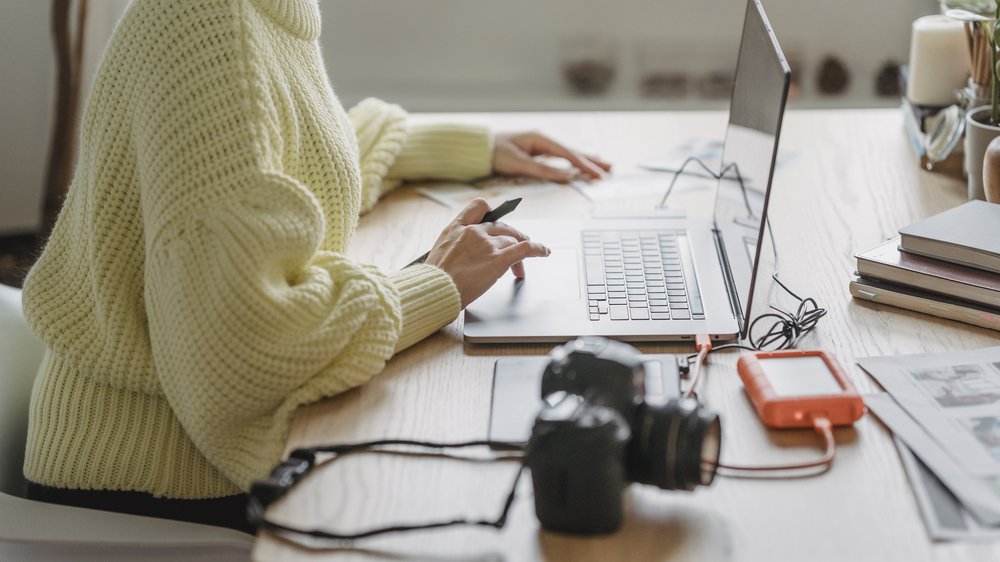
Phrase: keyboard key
x=657 y=302
x=621 y=301
x=691 y=279
x=659 y=316
x=595 y=270
x=593 y=310
x=638 y=291
x=637 y=298
x=658 y=308
x=602 y=308
x=596 y=290
x=638 y=305
x=597 y=297
x=639 y=314
x=619 y=313
x=595 y=317
x=680 y=314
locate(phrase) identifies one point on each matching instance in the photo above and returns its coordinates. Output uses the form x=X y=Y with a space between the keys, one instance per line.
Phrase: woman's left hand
x=514 y=154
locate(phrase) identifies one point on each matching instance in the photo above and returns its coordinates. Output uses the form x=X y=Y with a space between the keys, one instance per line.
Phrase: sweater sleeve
x=392 y=150
x=248 y=321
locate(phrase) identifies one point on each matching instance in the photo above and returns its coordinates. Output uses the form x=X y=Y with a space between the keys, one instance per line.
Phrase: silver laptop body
x=657 y=279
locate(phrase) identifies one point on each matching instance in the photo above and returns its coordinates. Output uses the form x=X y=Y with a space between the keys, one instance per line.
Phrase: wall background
x=482 y=54
x=476 y=55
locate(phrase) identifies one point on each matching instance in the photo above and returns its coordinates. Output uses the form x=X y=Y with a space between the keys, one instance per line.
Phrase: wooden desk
x=851 y=182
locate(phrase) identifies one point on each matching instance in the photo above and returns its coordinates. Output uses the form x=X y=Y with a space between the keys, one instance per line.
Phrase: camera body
x=596 y=434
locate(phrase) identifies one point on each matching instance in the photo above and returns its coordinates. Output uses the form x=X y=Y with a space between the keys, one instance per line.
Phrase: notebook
x=888 y=263
x=967 y=235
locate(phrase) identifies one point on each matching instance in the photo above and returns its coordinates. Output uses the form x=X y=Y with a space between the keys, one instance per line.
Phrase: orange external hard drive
x=792 y=388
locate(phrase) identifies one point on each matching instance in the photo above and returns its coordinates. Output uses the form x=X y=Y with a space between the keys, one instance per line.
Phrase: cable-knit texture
x=195 y=291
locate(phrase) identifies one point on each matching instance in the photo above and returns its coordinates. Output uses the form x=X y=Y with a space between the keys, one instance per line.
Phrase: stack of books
x=947 y=265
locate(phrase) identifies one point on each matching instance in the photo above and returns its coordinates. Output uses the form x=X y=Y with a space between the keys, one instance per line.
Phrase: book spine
x=915 y=279
x=972 y=316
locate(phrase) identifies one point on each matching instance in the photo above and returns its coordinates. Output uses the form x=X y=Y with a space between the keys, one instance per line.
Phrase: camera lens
x=674 y=445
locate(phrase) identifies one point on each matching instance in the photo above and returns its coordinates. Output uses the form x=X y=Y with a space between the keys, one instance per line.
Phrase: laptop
x=657 y=279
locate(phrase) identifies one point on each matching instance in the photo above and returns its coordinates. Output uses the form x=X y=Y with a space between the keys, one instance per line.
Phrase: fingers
x=582 y=163
x=518 y=269
x=516 y=253
x=507 y=236
x=538 y=170
x=606 y=166
x=474 y=212
x=503 y=229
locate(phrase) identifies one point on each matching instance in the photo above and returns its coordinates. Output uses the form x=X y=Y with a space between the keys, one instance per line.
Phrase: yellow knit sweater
x=195 y=290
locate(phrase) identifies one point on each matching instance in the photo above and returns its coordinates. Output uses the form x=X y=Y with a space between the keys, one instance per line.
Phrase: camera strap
x=302 y=461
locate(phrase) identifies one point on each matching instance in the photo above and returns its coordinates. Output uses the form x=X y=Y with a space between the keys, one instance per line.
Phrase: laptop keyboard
x=640 y=275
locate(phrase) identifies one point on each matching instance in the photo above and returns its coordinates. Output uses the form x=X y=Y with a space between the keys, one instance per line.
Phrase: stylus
x=501 y=211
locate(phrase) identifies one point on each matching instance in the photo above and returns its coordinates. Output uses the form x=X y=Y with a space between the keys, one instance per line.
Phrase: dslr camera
x=596 y=434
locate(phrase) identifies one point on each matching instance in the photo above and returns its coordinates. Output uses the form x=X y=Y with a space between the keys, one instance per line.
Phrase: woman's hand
x=513 y=154
x=476 y=255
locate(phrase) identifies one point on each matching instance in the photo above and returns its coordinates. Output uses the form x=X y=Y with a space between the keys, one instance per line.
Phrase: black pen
x=501 y=211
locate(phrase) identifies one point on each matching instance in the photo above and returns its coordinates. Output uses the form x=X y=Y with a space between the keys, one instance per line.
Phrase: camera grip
x=577 y=471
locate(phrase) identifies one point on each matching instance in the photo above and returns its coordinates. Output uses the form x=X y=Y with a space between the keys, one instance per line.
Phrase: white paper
x=980 y=495
x=617 y=187
x=943 y=513
x=708 y=151
x=495 y=191
x=955 y=397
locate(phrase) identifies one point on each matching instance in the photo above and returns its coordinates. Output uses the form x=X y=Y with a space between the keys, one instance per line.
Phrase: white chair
x=32 y=530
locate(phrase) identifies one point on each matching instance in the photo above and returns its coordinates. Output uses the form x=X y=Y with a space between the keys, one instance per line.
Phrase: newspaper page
x=946 y=517
x=955 y=397
x=979 y=495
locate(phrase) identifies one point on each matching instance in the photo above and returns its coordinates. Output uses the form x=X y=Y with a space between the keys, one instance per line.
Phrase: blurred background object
x=482 y=55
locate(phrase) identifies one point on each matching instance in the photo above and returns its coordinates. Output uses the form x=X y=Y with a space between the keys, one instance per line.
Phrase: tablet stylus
x=501 y=211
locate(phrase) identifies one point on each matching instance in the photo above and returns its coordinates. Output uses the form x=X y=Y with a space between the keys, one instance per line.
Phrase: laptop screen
x=759 y=93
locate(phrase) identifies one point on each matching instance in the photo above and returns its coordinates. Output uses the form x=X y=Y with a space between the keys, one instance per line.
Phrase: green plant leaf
x=981 y=7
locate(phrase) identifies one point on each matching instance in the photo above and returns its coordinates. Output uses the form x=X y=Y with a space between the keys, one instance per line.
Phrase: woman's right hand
x=476 y=255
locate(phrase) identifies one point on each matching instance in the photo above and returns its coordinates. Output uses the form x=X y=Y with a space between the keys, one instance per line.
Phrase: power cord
x=302 y=461
x=822 y=426
x=783 y=331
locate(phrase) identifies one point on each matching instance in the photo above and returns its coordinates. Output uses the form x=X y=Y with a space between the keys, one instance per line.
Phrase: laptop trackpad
x=555 y=277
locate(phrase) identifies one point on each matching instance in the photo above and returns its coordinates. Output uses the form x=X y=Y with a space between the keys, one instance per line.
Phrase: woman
x=195 y=292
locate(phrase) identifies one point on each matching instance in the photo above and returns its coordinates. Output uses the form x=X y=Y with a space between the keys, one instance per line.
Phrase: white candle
x=939 y=61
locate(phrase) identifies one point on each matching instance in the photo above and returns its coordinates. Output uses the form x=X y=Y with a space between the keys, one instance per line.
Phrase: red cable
x=822 y=426
x=704 y=345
